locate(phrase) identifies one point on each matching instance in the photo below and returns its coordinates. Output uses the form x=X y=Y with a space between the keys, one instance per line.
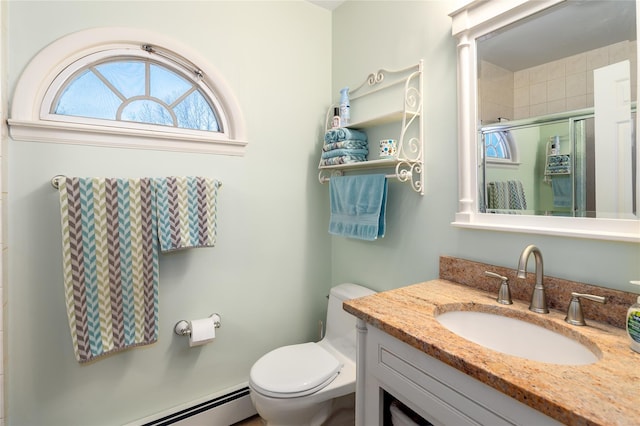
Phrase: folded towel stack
x=343 y=134
x=559 y=164
x=344 y=146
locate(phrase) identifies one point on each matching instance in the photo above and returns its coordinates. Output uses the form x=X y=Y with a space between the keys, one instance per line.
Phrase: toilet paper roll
x=202 y=331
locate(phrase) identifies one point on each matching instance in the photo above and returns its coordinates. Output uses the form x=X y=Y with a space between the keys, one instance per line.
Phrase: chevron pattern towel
x=110 y=260
x=186 y=212
x=506 y=195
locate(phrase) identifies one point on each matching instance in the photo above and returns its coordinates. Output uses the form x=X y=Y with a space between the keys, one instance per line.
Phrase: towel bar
x=401 y=177
x=54 y=181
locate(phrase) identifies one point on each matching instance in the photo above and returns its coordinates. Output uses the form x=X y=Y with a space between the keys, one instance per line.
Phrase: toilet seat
x=295 y=370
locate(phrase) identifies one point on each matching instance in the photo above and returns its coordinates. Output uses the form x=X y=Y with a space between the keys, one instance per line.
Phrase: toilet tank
x=341 y=325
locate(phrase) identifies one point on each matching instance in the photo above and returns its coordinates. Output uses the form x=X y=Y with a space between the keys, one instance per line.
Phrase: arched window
x=136 y=90
x=499 y=147
x=496 y=146
x=86 y=89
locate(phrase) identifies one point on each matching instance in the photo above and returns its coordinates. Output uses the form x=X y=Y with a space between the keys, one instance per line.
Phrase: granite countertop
x=604 y=393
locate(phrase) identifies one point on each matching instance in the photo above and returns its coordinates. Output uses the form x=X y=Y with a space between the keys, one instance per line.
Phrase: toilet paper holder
x=183 y=327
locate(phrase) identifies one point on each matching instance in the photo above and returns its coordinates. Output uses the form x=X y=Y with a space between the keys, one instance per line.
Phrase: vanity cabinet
x=387 y=105
x=437 y=392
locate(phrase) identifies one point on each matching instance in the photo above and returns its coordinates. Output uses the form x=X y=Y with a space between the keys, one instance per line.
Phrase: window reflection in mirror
x=533 y=74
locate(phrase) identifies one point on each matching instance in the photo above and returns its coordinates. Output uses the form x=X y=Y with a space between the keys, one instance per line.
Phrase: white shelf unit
x=557 y=164
x=563 y=160
x=388 y=97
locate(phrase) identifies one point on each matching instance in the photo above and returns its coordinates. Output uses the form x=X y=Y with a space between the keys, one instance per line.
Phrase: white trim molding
x=469 y=22
x=27 y=121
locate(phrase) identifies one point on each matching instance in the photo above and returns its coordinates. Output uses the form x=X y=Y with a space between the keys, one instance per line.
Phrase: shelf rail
x=403 y=176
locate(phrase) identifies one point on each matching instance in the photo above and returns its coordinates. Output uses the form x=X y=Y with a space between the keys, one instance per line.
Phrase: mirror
x=556 y=73
x=547 y=134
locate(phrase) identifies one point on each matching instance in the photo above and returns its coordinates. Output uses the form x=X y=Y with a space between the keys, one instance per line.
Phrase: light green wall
x=270 y=270
x=274 y=260
x=368 y=35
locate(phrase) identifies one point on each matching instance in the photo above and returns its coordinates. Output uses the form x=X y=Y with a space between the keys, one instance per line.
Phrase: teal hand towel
x=358 y=205
x=562 y=191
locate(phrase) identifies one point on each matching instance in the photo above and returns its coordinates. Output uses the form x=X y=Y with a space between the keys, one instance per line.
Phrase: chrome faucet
x=538 y=298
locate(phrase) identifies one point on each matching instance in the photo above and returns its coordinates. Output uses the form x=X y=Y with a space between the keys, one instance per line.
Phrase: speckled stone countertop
x=604 y=393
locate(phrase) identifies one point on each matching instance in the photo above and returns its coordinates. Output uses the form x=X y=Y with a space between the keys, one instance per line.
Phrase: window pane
x=166 y=85
x=147 y=111
x=148 y=97
x=496 y=145
x=194 y=112
x=88 y=96
x=126 y=76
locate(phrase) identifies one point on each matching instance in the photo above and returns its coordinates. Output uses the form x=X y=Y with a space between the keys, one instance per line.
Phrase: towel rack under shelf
x=404 y=172
x=325 y=179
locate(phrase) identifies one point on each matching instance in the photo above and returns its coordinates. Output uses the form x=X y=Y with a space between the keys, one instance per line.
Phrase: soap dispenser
x=633 y=322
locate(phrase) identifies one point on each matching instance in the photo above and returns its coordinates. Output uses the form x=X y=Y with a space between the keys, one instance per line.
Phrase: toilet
x=305 y=384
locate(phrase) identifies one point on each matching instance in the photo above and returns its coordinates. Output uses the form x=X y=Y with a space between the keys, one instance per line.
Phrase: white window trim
x=496 y=163
x=29 y=122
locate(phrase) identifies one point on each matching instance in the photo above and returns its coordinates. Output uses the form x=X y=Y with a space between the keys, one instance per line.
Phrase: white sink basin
x=516 y=337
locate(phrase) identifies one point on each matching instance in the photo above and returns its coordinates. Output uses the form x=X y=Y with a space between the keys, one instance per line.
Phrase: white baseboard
x=221 y=409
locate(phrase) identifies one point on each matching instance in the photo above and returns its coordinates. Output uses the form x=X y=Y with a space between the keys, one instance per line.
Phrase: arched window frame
x=49 y=70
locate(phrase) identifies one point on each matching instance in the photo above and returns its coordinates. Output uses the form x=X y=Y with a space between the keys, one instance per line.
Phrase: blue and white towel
x=343 y=134
x=344 y=146
x=343 y=152
x=358 y=206
x=347 y=144
x=343 y=159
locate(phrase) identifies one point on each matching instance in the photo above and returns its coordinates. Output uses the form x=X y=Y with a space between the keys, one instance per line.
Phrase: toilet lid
x=294 y=370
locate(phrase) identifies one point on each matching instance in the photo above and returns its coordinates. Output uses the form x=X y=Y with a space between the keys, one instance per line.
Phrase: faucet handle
x=574 y=313
x=504 y=294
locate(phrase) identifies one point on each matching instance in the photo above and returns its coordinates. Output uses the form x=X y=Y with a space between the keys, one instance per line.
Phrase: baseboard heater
x=226 y=409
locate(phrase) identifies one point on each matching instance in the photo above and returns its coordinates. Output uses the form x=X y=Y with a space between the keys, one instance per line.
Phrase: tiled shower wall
x=562 y=85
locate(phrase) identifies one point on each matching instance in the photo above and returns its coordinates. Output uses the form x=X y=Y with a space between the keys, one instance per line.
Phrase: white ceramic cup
x=388 y=148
